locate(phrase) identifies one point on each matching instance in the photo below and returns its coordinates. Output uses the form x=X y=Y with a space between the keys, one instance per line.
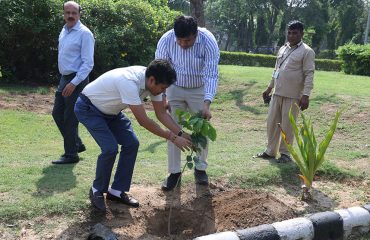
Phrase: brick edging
x=337 y=224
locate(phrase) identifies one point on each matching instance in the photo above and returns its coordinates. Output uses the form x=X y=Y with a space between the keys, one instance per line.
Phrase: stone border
x=338 y=224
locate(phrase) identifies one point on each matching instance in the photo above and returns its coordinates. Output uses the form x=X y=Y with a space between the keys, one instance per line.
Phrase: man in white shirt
x=99 y=108
x=75 y=62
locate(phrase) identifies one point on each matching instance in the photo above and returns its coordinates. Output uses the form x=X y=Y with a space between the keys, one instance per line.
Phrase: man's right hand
x=182 y=143
x=266 y=93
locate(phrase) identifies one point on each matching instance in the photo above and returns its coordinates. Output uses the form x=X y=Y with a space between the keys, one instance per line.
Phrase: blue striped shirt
x=76 y=52
x=196 y=66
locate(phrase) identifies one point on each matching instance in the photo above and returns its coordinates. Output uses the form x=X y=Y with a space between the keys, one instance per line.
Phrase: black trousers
x=65 y=117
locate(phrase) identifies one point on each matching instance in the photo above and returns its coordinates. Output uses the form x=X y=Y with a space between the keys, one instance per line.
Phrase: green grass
x=31 y=186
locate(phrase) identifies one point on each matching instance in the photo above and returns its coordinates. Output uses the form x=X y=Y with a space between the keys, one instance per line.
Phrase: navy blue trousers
x=109 y=131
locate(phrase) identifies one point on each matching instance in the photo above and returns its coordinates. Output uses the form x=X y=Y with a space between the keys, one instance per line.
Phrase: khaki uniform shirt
x=295 y=66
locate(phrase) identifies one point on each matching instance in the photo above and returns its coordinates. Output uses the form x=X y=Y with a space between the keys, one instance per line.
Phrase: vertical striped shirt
x=196 y=66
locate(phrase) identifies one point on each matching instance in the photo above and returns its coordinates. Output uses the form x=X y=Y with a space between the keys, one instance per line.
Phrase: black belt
x=85 y=99
x=69 y=76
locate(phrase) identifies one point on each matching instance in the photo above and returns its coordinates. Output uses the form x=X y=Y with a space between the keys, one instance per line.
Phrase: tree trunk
x=197 y=11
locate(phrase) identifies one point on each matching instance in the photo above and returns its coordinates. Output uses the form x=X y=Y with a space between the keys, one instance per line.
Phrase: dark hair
x=295 y=24
x=162 y=71
x=184 y=26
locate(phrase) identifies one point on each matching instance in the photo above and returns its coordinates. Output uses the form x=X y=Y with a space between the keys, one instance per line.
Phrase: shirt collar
x=298 y=45
x=77 y=26
x=197 y=40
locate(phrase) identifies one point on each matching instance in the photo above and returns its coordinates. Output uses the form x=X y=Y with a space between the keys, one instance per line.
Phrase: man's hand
x=304 y=102
x=206 y=112
x=186 y=136
x=266 y=93
x=182 y=143
x=68 y=90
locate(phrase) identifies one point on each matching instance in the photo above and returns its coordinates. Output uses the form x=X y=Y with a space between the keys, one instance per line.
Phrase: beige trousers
x=189 y=99
x=279 y=113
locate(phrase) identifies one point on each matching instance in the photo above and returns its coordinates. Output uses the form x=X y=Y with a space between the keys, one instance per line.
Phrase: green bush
x=126 y=33
x=327 y=54
x=261 y=60
x=356 y=59
x=29 y=38
x=247 y=59
x=328 y=65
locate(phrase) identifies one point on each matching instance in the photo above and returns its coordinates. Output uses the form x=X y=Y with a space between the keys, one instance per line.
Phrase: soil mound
x=195 y=211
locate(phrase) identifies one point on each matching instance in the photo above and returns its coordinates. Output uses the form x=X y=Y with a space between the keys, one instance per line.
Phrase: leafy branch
x=201 y=130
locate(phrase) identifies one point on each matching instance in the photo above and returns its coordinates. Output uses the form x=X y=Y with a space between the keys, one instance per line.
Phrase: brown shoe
x=97 y=200
x=124 y=198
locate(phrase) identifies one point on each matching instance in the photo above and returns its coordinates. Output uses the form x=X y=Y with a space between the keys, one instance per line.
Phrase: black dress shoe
x=124 y=198
x=171 y=181
x=97 y=200
x=201 y=177
x=66 y=160
x=81 y=148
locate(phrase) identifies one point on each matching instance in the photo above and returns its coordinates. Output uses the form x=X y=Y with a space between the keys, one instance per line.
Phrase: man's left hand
x=304 y=102
x=206 y=112
x=68 y=90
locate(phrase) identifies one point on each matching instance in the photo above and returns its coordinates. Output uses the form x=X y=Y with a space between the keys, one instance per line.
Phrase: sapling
x=311 y=153
x=201 y=130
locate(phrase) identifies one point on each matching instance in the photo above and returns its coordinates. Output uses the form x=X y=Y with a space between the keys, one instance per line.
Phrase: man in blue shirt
x=75 y=62
x=194 y=54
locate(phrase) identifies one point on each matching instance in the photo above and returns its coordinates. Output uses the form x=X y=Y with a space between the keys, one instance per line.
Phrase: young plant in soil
x=311 y=153
x=201 y=130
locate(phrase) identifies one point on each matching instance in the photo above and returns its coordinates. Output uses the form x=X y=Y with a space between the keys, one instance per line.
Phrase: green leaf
x=188 y=158
x=205 y=127
x=190 y=165
x=198 y=125
x=212 y=133
x=196 y=159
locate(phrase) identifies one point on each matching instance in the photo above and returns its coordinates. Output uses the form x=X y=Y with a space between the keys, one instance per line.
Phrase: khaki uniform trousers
x=279 y=113
x=188 y=99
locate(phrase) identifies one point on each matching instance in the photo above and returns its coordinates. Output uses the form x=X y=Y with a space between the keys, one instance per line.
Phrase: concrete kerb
x=337 y=224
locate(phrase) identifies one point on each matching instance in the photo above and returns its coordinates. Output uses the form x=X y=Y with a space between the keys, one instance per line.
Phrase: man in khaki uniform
x=292 y=81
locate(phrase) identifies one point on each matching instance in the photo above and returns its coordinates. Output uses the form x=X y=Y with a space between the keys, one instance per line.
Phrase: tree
x=197 y=11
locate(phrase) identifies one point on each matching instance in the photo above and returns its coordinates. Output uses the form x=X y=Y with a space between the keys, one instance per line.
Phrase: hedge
x=356 y=59
x=261 y=60
x=126 y=33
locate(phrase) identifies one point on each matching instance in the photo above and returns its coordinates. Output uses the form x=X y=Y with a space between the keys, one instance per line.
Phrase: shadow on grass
x=55 y=179
x=238 y=96
x=324 y=98
x=152 y=147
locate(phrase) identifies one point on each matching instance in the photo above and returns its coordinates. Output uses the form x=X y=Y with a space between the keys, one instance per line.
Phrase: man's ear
x=151 y=80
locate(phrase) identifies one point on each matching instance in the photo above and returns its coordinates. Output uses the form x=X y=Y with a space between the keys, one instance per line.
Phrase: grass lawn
x=31 y=186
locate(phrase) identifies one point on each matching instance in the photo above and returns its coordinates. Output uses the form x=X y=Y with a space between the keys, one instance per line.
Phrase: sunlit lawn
x=31 y=186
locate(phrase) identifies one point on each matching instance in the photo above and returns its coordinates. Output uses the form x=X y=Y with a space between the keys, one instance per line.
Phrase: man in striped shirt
x=194 y=54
